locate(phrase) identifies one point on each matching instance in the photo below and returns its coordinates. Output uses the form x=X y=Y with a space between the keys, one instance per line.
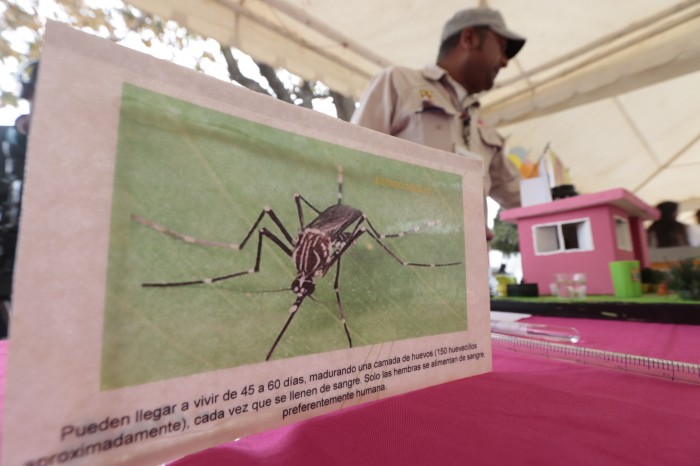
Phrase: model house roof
x=621 y=198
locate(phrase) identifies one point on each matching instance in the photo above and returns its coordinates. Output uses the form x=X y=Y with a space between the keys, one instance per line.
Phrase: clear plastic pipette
x=540 y=331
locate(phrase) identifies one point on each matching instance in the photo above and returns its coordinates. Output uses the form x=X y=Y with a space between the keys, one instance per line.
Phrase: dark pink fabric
x=527 y=411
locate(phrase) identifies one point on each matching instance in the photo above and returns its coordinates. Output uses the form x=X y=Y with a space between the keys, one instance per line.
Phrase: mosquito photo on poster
x=233 y=243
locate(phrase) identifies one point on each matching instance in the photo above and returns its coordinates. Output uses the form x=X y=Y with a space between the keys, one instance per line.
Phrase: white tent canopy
x=613 y=86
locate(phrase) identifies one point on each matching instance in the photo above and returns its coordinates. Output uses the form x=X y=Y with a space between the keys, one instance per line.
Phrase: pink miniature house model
x=581 y=234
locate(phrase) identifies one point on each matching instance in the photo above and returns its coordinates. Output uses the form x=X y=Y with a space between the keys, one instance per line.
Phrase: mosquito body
x=317 y=248
x=318 y=245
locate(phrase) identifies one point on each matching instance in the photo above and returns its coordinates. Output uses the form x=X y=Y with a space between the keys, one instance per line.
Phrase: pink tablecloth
x=527 y=411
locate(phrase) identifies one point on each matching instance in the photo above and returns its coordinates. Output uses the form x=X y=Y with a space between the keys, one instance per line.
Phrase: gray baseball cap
x=484 y=17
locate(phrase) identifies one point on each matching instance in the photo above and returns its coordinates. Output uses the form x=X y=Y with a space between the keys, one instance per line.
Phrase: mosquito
x=317 y=248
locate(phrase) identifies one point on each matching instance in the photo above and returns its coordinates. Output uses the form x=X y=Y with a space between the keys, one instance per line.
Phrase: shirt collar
x=437 y=73
x=459 y=89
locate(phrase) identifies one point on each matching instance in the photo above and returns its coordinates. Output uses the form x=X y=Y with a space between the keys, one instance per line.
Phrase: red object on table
x=528 y=411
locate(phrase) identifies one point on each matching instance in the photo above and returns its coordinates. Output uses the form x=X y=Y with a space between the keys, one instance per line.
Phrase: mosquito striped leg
x=203 y=281
x=340 y=185
x=401 y=234
x=336 y=287
x=263 y=233
x=270 y=213
x=182 y=237
x=378 y=238
x=345 y=242
x=203 y=242
x=298 y=198
x=292 y=312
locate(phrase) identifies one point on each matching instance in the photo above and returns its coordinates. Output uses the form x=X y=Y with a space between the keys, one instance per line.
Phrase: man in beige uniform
x=437 y=105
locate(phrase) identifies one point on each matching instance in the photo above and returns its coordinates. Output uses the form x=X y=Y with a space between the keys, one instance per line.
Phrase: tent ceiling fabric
x=614 y=86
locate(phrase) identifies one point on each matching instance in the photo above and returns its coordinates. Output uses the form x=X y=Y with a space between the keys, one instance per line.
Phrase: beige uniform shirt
x=423 y=106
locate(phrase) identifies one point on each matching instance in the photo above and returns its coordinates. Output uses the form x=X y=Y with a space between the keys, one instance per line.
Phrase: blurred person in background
x=694 y=231
x=667 y=232
x=13 y=150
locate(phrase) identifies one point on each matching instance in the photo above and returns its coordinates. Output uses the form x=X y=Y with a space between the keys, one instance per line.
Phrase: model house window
x=622 y=234
x=569 y=236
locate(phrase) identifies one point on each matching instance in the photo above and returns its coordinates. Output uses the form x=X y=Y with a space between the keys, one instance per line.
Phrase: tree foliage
x=505 y=237
x=684 y=277
x=23 y=19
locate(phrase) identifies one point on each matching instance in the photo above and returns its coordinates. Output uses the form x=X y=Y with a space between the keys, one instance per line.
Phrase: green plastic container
x=626 y=279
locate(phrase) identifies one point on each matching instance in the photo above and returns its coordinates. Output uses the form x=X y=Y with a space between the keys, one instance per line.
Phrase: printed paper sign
x=198 y=262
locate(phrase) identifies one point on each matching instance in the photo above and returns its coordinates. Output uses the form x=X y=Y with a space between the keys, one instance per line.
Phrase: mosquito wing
x=335 y=219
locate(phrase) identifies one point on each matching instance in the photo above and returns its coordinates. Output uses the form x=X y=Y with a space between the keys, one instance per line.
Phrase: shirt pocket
x=431 y=123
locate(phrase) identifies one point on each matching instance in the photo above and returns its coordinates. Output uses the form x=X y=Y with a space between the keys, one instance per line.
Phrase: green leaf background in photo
x=209 y=175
